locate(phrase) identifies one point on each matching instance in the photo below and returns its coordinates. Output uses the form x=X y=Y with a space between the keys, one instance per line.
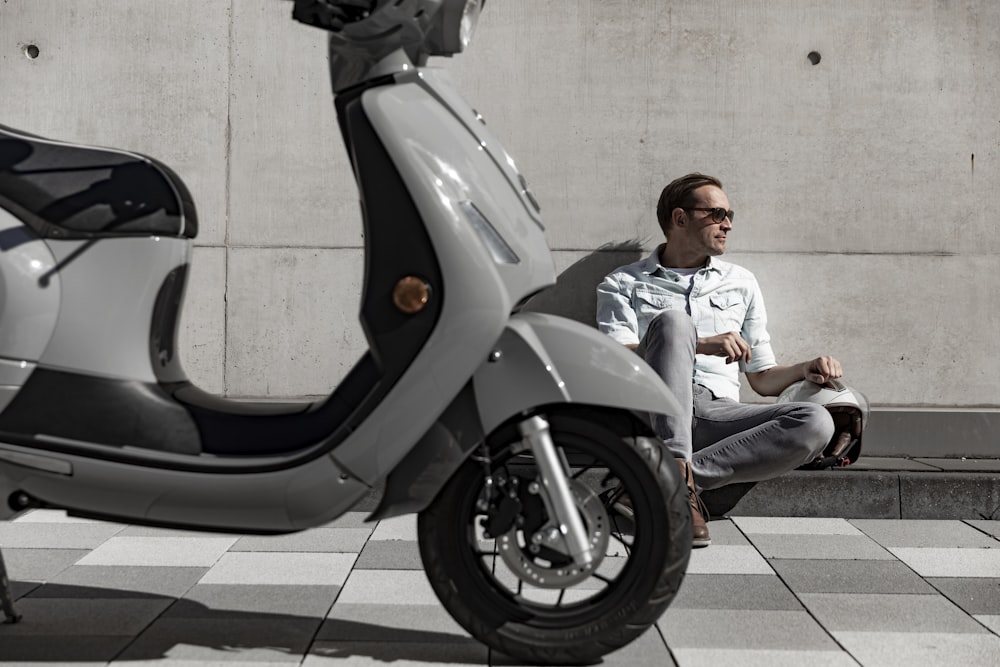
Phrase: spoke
x=589 y=466
x=562 y=592
x=601 y=577
x=520 y=586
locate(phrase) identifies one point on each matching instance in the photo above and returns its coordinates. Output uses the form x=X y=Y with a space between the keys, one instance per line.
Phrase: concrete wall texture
x=866 y=184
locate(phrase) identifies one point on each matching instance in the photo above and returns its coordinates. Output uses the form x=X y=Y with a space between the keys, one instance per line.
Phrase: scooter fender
x=544 y=359
x=539 y=360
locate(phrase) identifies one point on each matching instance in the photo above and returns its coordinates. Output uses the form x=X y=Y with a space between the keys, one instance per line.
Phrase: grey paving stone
x=949 y=495
x=398 y=654
x=859 y=547
x=924 y=533
x=719 y=657
x=39 y=564
x=327 y=540
x=911 y=649
x=397 y=622
x=351 y=520
x=77 y=535
x=824 y=493
x=743 y=629
x=988 y=527
x=390 y=555
x=239 y=639
x=734 y=591
x=52 y=649
x=102 y=581
x=725 y=533
x=727 y=559
x=215 y=600
x=947 y=562
x=974 y=595
x=849 y=576
x=22 y=588
x=83 y=617
x=888 y=613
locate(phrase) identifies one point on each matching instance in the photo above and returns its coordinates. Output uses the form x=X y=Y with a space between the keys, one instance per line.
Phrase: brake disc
x=515 y=546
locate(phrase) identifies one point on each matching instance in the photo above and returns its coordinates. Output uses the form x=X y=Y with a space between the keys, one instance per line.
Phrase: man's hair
x=678 y=194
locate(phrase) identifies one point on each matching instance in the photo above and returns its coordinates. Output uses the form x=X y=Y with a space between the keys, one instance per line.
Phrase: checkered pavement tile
x=787 y=591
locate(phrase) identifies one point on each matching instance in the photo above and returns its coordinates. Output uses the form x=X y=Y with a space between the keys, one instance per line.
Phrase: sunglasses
x=718 y=214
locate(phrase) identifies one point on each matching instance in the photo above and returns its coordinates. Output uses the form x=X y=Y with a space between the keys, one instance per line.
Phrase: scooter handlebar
x=331 y=15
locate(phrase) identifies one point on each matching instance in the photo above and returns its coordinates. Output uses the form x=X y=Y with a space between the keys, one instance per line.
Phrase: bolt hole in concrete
x=31 y=51
x=814 y=57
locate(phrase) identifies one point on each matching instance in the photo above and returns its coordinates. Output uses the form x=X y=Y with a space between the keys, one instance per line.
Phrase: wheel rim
x=617 y=582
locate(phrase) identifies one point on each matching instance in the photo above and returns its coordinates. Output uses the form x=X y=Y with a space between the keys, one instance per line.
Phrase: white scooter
x=508 y=432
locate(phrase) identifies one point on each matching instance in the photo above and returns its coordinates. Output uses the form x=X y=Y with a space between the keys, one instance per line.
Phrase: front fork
x=565 y=524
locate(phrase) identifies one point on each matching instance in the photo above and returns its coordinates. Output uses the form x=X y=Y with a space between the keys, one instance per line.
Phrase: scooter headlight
x=453 y=27
x=470 y=18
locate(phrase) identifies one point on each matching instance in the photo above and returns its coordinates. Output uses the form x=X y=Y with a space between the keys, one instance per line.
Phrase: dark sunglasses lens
x=718 y=214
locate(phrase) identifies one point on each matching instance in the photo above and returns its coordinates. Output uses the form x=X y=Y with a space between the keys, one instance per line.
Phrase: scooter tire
x=462 y=575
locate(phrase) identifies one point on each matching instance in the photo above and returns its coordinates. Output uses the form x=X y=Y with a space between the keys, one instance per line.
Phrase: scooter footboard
x=544 y=359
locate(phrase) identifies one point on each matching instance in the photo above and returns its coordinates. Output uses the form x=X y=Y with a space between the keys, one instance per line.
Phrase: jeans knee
x=672 y=323
x=817 y=428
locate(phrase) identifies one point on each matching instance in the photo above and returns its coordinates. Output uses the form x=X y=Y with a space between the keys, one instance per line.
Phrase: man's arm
x=776 y=379
x=615 y=316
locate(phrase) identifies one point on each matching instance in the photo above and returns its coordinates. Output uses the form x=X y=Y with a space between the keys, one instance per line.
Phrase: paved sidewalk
x=769 y=591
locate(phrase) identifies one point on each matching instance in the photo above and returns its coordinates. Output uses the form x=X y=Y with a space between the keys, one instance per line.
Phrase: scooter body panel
x=278 y=501
x=109 y=290
x=444 y=165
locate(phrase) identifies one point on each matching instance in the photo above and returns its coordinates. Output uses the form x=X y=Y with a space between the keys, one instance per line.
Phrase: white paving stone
x=950 y=562
x=302 y=568
x=794 y=526
x=169 y=551
x=728 y=559
x=51 y=516
x=716 y=657
x=387 y=587
x=991 y=621
x=397 y=528
x=921 y=649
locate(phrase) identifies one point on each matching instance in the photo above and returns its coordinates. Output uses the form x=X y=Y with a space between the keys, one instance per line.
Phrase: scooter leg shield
x=543 y=360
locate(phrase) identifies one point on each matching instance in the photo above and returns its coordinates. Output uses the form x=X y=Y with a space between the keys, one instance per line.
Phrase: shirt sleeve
x=754 y=332
x=615 y=316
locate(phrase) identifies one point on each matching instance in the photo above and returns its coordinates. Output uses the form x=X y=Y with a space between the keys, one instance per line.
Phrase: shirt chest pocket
x=729 y=311
x=648 y=301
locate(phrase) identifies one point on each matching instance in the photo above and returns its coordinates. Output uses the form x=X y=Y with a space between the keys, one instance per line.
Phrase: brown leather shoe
x=699 y=515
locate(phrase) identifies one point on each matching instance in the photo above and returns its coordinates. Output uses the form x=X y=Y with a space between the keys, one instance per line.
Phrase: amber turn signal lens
x=411 y=294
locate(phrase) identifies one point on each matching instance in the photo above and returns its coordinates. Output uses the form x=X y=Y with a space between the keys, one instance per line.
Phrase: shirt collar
x=652 y=263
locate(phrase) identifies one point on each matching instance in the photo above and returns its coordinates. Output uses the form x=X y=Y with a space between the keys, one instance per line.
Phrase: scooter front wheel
x=480 y=544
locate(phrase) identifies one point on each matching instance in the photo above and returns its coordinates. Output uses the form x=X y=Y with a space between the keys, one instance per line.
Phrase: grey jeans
x=725 y=440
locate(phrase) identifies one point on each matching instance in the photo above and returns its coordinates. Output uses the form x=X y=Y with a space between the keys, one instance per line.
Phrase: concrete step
x=872 y=488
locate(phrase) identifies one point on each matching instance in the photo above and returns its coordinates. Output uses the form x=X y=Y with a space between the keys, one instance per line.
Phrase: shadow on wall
x=575 y=293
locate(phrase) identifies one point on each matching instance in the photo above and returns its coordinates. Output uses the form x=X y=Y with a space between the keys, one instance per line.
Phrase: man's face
x=703 y=232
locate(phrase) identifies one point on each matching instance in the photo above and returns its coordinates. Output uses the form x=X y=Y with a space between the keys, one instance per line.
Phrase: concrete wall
x=866 y=185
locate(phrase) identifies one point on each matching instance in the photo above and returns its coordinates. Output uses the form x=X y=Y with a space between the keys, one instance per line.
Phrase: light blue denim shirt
x=722 y=297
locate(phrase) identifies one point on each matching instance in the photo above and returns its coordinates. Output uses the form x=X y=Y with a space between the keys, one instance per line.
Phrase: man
x=698 y=321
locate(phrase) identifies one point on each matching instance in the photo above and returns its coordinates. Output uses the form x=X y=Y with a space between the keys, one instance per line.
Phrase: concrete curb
x=864 y=494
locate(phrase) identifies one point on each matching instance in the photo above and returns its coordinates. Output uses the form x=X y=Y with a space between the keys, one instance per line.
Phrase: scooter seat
x=68 y=191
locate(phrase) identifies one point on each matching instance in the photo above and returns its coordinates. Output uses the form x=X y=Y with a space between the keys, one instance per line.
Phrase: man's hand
x=729 y=345
x=822 y=369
